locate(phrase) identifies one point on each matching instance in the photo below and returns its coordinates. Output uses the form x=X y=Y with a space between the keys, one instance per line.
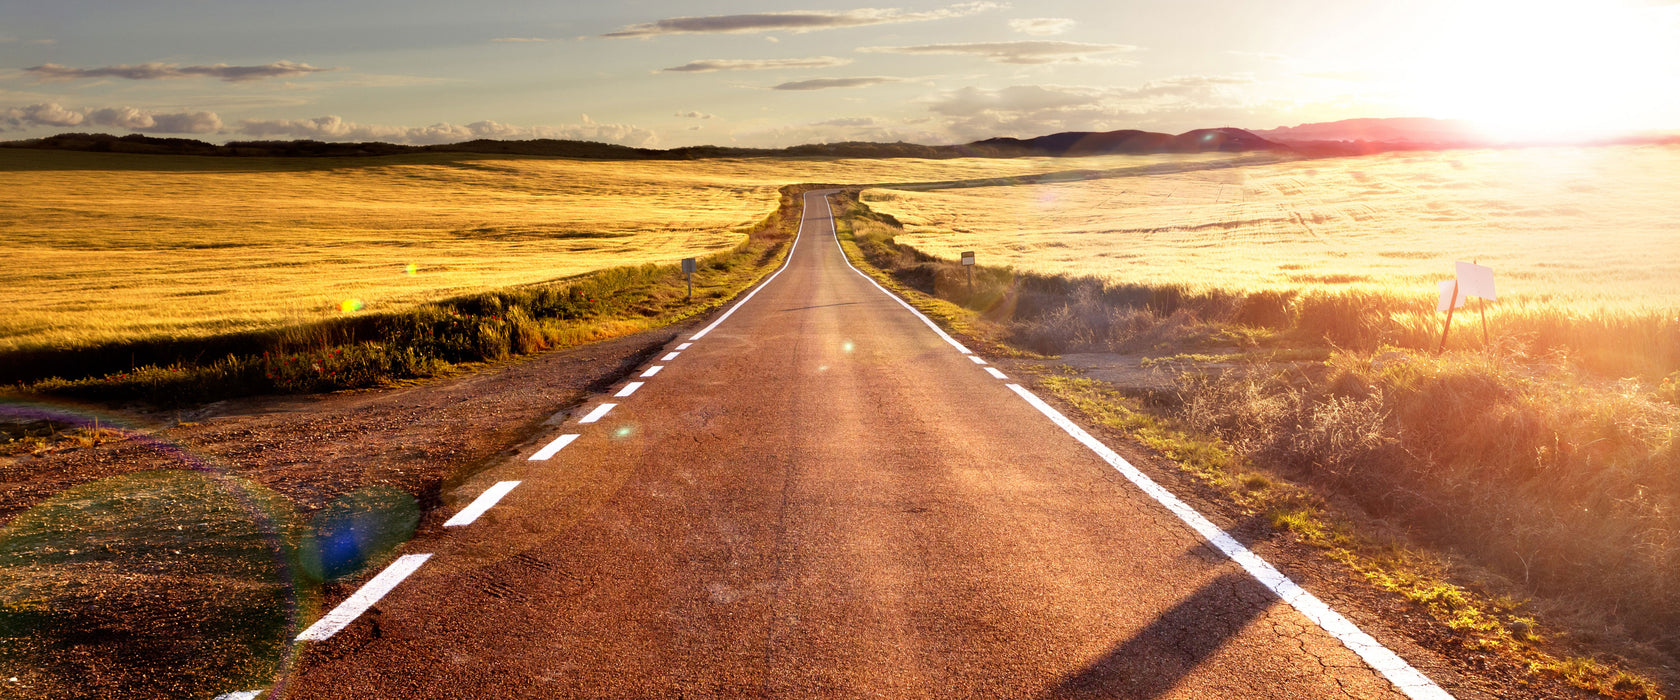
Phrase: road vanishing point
x=822 y=495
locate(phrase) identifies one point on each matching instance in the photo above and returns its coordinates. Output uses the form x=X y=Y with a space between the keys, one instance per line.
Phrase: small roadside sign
x=968 y=257
x=1450 y=298
x=1475 y=280
x=1469 y=280
x=688 y=269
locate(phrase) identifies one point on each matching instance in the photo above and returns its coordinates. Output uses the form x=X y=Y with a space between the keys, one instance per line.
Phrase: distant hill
x=1074 y=143
x=1395 y=130
x=1086 y=143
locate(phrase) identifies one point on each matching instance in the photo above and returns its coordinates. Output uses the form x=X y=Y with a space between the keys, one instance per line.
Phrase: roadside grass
x=1525 y=501
x=422 y=341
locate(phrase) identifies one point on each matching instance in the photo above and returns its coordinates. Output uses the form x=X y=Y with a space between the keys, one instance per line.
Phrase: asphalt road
x=822 y=497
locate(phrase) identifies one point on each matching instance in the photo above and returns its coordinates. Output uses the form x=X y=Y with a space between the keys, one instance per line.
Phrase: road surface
x=822 y=497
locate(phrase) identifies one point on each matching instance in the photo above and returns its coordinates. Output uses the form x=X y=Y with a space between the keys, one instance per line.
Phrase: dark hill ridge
x=1131 y=141
x=1073 y=143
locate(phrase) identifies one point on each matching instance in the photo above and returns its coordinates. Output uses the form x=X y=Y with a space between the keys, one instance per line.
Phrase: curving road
x=819 y=496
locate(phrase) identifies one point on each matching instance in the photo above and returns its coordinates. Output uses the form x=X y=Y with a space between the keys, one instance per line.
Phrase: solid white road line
x=483 y=503
x=977 y=359
x=804 y=203
x=684 y=346
x=669 y=356
x=653 y=370
x=930 y=324
x=241 y=695
x=364 y=598
x=629 y=389
x=552 y=448
x=596 y=414
x=994 y=372
x=1409 y=680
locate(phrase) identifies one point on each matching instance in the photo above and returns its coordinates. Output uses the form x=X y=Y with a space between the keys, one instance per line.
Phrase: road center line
x=596 y=414
x=483 y=503
x=976 y=359
x=669 y=356
x=364 y=598
x=1408 y=679
x=994 y=372
x=629 y=389
x=684 y=346
x=553 y=448
x=930 y=324
x=653 y=370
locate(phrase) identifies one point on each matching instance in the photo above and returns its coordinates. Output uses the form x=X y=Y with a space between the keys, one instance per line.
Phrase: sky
x=666 y=74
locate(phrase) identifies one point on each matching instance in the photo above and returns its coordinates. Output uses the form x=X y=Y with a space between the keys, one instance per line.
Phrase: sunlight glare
x=1551 y=69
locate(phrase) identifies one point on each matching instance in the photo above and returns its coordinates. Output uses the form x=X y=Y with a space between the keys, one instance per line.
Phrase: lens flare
x=350 y=305
x=412 y=269
x=153 y=545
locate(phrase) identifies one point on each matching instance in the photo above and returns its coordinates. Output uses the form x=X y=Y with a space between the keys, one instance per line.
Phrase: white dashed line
x=684 y=346
x=599 y=411
x=994 y=372
x=653 y=370
x=976 y=359
x=1409 y=680
x=629 y=389
x=669 y=356
x=552 y=448
x=483 y=503
x=370 y=593
x=241 y=695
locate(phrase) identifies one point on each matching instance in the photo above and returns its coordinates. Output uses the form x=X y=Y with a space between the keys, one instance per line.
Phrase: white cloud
x=836 y=130
x=54 y=115
x=186 y=123
x=719 y=64
x=848 y=121
x=693 y=115
x=121 y=118
x=48 y=114
x=801 y=21
x=1032 y=110
x=830 y=83
x=335 y=128
x=1021 y=52
x=170 y=71
x=1041 y=26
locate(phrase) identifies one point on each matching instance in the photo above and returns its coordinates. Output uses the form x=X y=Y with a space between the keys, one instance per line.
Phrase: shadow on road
x=1157 y=658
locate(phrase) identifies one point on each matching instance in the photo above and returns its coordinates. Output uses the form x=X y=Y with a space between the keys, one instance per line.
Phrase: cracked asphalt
x=822 y=498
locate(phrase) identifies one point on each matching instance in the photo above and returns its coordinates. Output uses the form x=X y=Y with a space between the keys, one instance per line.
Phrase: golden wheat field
x=1586 y=228
x=109 y=247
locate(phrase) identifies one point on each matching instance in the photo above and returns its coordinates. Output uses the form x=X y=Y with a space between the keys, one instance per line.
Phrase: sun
x=1552 y=69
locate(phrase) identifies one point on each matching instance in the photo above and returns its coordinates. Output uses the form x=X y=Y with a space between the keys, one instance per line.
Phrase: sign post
x=1469 y=280
x=688 y=269
x=968 y=262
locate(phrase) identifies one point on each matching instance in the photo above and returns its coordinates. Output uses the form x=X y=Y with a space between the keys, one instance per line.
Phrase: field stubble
x=116 y=248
